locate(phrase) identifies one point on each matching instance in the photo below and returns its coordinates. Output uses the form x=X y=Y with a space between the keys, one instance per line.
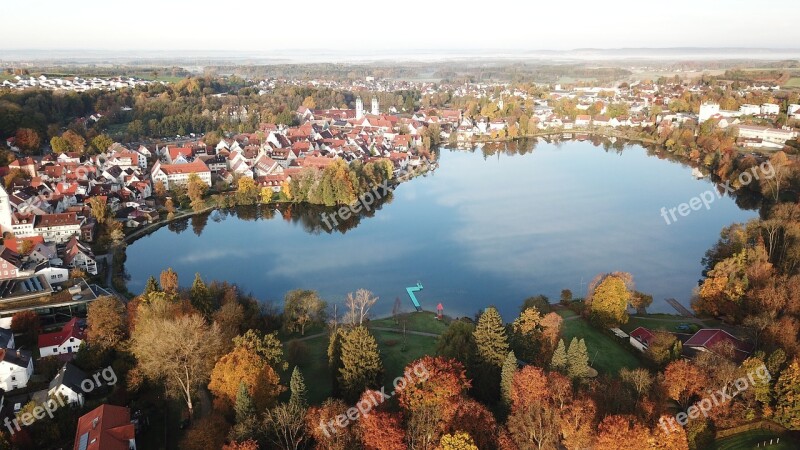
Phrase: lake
x=482 y=229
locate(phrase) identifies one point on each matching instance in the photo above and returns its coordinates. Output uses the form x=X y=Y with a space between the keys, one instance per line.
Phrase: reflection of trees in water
x=178 y=226
x=199 y=222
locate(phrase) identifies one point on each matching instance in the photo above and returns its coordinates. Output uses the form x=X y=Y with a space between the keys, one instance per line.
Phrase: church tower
x=5 y=211
x=375 y=110
x=359 y=108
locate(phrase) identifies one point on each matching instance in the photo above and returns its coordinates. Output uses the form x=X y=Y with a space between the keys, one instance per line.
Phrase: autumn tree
x=621 y=433
x=196 y=190
x=247 y=191
x=576 y=424
x=533 y=419
x=27 y=140
x=101 y=143
x=457 y=441
x=361 y=365
x=321 y=425
x=380 y=429
x=664 y=348
x=608 y=300
x=178 y=351
x=169 y=281
x=787 y=394
x=26 y=323
x=683 y=381
x=358 y=305
x=99 y=209
x=431 y=400
x=474 y=418
x=302 y=308
x=285 y=426
x=457 y=342
x=105 y=322
x=207 y=433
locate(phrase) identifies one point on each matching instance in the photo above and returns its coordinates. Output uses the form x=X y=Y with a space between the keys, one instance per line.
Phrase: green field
x=665 y=322
x=395 y=357
x=793 y=82
x=749 y=440
x=424 y=321
x=605 y=353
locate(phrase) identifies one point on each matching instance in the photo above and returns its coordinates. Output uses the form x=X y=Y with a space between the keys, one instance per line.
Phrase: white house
x=172 y=174
x=641 y=338
x=67 y=384
x=776 y=135
x=16 y=368
x=77 y=255
x=58 y=227
x=66 y=341
x=54 y=275
x=770 y=109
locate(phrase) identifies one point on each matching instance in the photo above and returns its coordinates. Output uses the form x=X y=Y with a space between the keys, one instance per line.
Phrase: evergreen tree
x=559 y=361
x=246 y=426
x=297 y=386
x=577 y=359
x=490 y=338
x=151 y=286
x=361 y=363
x=335 y=357
x=507 y=377
x=200 y=295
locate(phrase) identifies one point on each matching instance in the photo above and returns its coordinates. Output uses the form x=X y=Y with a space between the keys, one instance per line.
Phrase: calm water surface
x=480 y=230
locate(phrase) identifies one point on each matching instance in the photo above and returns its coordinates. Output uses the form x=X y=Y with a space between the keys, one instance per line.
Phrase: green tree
x=301 y=308
x=200 y=296
x=457 y=342
x=559 y=362
x=297 y=386
x=245 y=414
x=507 y=377
x=361 y=363
x=490 y=338
x=150 y=286
x=101 y=143
x=577 y=359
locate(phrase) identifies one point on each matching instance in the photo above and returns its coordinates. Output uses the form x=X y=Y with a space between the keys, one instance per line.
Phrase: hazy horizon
x=365 y=27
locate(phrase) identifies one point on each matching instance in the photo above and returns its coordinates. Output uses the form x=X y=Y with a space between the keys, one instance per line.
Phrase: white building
x=178 y=174
x=66 y=341
x=770 y=109
x=359 y=108
x=16 y=368
x=749 y=110
x=54 y=275
x=5 y=211
x=776 y=135
x=58 y=227
x=707 y=110
x=375 y=109
x=67 y=384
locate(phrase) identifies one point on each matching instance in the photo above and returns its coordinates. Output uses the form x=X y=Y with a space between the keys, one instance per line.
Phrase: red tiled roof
x=107 y=427
x=69 y=330
x=642 y=335
x=192 y=167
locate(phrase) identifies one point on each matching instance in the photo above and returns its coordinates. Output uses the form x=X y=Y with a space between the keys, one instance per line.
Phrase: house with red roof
x=641 y=338
x=708 y=339
x=106 y=427
x=67 y=341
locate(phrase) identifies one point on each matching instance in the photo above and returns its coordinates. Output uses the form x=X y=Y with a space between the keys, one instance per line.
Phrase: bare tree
x=180 y=352
x=358 y=305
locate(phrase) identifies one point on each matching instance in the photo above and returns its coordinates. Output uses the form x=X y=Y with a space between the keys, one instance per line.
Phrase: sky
x=266 y=26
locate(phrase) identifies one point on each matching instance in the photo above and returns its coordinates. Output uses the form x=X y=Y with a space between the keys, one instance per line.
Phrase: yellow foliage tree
x=243 y=365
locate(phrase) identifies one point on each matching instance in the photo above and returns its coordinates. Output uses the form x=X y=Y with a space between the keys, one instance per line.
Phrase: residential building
x=77 y=255
x=106 y=427
x=66 y=341
x=178 y=174
x=58 y=227
x=67 y=383
x=10 y=263
x=16 y=368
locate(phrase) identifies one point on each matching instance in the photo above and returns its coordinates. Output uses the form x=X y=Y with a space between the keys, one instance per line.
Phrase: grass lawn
x=314 y=361
x=750 y=439
x=657 y=322
x=395 y=358
x=314 y=366
x=793 y=82
x=416 y=321
x=605 y=354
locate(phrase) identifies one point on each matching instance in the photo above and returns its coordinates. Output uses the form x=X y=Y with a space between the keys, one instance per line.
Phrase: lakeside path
x=321 y=334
